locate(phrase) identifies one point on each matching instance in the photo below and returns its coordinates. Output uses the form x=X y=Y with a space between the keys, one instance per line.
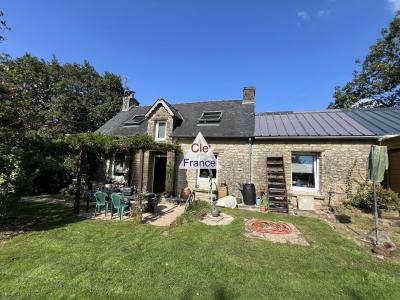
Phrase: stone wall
x=335 y=160
x=160 y=114
x=233 y=157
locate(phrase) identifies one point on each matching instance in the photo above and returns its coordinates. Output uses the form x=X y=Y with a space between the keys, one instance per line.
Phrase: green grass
x=67 y=257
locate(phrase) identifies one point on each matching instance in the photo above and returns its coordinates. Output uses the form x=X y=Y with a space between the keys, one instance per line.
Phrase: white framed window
x=305 y=172
x=203 y=176
x=161 y=127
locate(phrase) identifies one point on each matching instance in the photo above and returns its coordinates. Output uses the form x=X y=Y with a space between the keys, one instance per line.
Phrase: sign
x=199 y=156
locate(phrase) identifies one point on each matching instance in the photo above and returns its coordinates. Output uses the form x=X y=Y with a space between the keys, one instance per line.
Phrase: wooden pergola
x=85 y=145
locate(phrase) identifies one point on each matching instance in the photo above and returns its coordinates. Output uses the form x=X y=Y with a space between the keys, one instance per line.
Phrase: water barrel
x=249 y=194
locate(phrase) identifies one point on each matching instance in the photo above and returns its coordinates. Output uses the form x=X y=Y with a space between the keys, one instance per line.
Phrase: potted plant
x=264 y=203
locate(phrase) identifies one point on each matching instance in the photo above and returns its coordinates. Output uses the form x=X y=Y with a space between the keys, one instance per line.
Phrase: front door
x=159 y=174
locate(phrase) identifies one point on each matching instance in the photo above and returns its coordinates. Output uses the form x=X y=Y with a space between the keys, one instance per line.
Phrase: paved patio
x=165 y=214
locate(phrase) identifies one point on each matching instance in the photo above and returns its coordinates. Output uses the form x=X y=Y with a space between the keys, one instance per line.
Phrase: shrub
x=194 y=212
x=364 y=199
x=11 y=178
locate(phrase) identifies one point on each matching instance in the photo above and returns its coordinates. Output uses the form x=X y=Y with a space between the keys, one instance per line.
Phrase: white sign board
x=199 y=156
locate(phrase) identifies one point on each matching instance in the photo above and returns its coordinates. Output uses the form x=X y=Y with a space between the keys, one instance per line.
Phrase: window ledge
x=315 y=194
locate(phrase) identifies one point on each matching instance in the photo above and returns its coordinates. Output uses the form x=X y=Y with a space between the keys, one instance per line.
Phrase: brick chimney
x=249 y=93
x=128 y=100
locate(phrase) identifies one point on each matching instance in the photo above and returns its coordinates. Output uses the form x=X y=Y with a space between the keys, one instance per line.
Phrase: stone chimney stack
x=249 y=92
x=128 y=100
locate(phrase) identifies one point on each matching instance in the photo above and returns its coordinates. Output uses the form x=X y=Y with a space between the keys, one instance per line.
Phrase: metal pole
x=250 y=160
x=375 y=202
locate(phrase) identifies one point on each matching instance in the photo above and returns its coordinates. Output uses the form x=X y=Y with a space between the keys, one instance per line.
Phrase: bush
x=11 y=178
x=386 y=199
x=194 y=212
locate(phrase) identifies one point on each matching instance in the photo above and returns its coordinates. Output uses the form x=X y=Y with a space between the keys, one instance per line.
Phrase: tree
x=81 y=100
x=377 y=83
x=53 y=98
x=39 y=101
x=3 y=26
x=25 y=83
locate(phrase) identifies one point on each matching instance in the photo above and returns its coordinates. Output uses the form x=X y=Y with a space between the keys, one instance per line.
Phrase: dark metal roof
x=237 y=120
x=380 y=121
x=329 y=123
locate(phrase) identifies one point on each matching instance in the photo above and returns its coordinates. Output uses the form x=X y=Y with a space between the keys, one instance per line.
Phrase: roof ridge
x=208 y=101
x=328 y=110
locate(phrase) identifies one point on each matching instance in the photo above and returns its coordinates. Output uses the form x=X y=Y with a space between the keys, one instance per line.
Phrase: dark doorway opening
x=160 y=172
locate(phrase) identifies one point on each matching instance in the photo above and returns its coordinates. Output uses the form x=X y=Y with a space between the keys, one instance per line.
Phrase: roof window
x=136 y=120
x=210 y=117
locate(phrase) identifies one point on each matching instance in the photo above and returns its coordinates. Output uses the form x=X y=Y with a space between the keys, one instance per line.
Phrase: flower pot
x=263 y=208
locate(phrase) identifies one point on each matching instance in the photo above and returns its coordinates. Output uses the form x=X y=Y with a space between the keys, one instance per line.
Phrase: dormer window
x=160 y=130
x=136 y=120
x=210 y=117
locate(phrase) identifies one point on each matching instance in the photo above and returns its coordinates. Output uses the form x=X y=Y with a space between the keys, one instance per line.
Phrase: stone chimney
x=128 y=100
x=249 y=93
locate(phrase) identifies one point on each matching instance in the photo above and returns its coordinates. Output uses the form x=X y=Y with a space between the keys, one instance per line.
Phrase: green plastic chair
x=120 y=207
x=101 y=202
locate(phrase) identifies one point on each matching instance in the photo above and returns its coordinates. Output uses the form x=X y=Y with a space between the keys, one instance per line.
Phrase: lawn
x=69 y=257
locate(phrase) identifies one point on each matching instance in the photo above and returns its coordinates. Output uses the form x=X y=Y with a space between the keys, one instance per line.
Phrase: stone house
x=317 y=149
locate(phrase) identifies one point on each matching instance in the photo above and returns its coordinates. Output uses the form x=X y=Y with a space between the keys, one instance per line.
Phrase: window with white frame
x=203 y=176
x=161 y=130
x=305 y=173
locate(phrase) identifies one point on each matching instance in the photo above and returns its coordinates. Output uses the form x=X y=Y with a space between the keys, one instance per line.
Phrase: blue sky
x=294 y=52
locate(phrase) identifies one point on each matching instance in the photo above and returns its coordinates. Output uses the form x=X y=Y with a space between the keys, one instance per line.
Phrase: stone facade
x=233 y=162
x=335 y=159
x=160 y=114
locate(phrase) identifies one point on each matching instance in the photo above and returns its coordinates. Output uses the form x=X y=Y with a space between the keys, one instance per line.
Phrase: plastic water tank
x=249 y=194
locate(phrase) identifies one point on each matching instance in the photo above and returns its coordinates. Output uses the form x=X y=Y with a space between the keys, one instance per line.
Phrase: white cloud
x=394 y=5
x=325 y=12
x=303 y=15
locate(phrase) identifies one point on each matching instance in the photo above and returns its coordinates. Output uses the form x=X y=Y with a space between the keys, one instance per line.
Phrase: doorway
x=159 y=173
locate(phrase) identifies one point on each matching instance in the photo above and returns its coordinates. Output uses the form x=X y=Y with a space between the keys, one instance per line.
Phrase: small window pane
x=161 y=130
x=303 y=173
x=204 y=173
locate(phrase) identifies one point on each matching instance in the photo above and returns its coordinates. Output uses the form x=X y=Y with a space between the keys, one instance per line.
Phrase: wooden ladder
x=276 y=184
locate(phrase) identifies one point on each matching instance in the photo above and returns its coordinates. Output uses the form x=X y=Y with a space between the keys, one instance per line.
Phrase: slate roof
x=237 y=120
x=328 y=123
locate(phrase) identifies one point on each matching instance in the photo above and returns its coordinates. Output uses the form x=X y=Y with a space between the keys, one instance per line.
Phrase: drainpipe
x=250 y=159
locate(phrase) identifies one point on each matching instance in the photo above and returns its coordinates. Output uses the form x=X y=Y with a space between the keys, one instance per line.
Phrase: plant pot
x=215 y=212
x=263 y=208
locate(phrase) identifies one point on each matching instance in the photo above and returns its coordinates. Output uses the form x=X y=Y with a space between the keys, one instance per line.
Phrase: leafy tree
x=53 y=99
x=39 y=101
x=25 y=84
x=377 y=83
x=3 y=26
x=82 y=100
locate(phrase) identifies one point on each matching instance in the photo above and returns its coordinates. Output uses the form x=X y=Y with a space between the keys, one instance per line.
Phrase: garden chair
x=101 y=201
x=118 y=205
